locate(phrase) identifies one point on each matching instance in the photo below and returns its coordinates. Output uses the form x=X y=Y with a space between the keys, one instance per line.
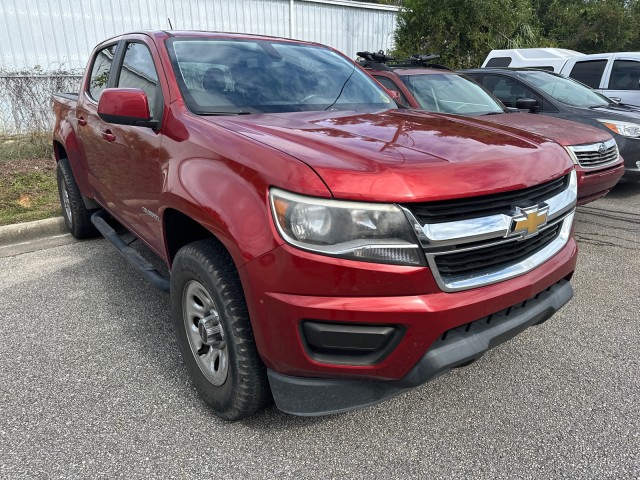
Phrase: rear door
x=623 y=80
x=91 y=127
x=127 y=163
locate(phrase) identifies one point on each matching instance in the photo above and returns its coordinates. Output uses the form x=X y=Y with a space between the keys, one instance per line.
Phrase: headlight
x=622 y=128
x=369 y=232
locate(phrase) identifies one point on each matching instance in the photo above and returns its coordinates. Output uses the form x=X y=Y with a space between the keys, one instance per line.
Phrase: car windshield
x=451 y=93
x=565 y=90
x=230 y=76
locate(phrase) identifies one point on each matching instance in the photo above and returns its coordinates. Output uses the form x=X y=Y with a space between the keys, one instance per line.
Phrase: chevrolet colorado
x=326 y=248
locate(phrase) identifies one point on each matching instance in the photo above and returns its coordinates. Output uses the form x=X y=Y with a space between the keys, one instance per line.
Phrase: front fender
x=231 y=201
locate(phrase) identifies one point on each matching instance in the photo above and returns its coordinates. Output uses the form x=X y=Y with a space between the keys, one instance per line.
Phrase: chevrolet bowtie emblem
x=527 y=221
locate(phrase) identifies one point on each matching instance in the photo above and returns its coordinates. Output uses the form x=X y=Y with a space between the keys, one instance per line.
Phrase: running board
x=134 y=258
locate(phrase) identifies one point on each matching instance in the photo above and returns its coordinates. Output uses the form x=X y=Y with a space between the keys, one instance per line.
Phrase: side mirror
x=394 y=94
x=616 y=99
x=125 y=106
x=527 y=104
x=397 y=97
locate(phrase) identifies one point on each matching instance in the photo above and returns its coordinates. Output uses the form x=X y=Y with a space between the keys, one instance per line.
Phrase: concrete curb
x=25 y=232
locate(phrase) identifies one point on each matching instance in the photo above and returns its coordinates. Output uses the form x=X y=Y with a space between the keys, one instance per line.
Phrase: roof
x=209 y=34
x=506 y=70
x=536 y=53
x=417 y=71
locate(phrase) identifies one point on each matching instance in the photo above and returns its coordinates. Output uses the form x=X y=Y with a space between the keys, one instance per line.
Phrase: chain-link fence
x=25 y=99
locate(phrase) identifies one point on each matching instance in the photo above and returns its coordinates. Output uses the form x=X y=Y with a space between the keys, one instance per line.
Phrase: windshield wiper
x=493 y=113
x=236 y=112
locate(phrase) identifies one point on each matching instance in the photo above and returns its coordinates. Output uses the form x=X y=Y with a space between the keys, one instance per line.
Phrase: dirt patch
x=28 y=190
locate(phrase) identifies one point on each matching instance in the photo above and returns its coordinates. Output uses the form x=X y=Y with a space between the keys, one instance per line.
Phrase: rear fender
x=66 y=144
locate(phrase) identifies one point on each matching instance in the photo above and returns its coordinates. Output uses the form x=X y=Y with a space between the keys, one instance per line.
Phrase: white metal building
x=59 y=34
x=41 y=38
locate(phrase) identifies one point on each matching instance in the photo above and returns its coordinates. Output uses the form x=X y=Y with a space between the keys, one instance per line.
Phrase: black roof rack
x=381 y=61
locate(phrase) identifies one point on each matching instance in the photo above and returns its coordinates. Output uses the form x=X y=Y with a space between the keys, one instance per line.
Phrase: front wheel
x=213 y=331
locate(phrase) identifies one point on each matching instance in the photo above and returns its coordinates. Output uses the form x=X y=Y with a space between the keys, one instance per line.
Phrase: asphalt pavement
x=92 y=384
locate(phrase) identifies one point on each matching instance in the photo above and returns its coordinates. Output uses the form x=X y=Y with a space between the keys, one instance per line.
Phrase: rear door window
x=625 y=75
x=589 y=72
x=139 y=71
x=100 y=71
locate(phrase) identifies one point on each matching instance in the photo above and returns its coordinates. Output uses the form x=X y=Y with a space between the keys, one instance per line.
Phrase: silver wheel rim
x=197 y=305
x=66 y=204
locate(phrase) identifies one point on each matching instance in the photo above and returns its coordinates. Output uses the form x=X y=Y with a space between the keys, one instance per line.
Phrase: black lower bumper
x=456 y=347
x=630 y=151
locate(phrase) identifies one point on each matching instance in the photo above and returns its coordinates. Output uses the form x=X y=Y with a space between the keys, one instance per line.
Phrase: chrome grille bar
x=483 y=234
x=596 y=155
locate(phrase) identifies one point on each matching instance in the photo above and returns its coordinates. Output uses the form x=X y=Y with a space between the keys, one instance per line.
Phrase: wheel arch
x=59 y=152
x=181 y=229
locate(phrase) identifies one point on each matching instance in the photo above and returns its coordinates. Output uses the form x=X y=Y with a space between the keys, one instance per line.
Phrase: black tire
x=76 y=215
x=245 y=388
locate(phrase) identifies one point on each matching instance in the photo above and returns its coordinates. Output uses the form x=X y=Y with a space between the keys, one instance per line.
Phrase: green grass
x=28 y=189
x=35 y=145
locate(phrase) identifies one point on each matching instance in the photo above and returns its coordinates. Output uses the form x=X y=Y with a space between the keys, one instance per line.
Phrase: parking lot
x=93 y=384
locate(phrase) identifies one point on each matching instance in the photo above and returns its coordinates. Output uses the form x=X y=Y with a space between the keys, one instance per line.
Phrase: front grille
x=474 y=262
x=593 y=158
x=506 y=202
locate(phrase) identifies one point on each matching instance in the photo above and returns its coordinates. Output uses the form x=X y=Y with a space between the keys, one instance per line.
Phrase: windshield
x=565 y=90
x=450 y=93
x=258 y=76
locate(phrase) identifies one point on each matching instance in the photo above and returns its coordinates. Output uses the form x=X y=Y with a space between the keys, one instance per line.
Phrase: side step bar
x=133 y=257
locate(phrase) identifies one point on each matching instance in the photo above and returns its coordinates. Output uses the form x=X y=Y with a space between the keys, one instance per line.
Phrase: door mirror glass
x=125 y=106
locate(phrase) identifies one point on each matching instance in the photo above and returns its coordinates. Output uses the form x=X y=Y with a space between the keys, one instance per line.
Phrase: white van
x=616 y=75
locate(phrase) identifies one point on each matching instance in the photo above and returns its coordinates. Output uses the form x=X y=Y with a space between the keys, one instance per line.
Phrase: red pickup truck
x=327 y=249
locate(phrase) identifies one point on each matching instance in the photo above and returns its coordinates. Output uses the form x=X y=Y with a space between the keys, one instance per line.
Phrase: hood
x=401 y=156
x=622 y=112
x=564 y=132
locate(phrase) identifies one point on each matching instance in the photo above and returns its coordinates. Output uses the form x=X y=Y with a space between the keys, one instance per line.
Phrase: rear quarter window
x=499 y=62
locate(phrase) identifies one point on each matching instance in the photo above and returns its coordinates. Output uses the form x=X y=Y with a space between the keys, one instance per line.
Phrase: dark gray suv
x=566 y=98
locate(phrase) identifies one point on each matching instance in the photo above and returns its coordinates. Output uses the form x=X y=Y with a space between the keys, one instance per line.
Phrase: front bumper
x=630 y=151
x=456 y=347
x=287 y=287
x=594 y=184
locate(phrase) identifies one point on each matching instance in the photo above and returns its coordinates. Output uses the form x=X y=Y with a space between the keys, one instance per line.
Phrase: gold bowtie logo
x=528 y=221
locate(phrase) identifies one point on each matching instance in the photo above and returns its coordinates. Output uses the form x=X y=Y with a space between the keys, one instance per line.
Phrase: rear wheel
x=76 y=215
x=214 y=333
